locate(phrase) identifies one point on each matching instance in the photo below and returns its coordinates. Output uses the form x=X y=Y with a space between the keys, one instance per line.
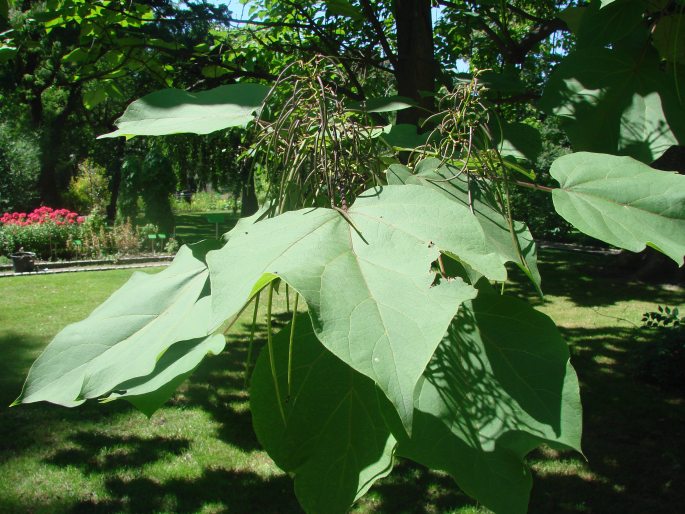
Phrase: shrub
x=89 y=189
x=101 y=241
x=44 y=231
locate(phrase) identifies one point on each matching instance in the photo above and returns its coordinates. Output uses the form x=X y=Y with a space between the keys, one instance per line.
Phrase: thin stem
x=270 y=345
x=290 y=348
x=287 y=298
x=530 y=185
x=248 y=362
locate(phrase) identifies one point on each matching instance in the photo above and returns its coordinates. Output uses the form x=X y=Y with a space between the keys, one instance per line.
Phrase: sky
x=234 y=5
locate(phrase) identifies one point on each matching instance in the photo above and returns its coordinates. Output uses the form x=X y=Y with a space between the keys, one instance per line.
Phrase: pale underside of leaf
x=367 y=280
x=622 y=202
x=124 y=337
x=173 y=111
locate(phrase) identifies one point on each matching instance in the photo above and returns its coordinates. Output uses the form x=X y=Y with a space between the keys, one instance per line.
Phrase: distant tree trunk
x=249 y=200
x=416 y=67
x=248 y=197
x=51 y=145
x=115 y=178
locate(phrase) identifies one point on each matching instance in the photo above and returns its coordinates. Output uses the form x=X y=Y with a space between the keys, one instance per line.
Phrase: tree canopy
x=388 y=211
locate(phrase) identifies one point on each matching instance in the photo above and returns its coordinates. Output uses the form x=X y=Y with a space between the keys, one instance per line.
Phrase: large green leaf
x=600 y=26
x=172 y=111
x=432 y=174
x=669 y=37
x=124 y=338
x=499 y=385
x=333 y=440
x=366 y=277
x=614 y=101
x=622 y=202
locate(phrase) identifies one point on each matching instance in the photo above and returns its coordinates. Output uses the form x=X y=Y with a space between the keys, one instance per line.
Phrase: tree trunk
x=51 y=145
x=116 y=162
x=416 y=66
x=249 y=204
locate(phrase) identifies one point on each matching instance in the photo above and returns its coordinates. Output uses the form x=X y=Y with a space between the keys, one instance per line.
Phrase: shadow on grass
x=226 y=491
x=18 y=352
x=589 y=280
x=103 y=453
x=633 y=435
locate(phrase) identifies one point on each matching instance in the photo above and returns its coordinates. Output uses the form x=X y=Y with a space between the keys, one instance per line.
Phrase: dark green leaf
x=383 y=104
x=499 y=385
x=518 y=141
x=614 y=101
x=333 y=439
x=403 y=136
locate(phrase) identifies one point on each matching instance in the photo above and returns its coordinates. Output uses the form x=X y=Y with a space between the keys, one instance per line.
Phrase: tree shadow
x=18 y=353
x=633 y=435
x=221 y=490
x=218 y=386
x=414 y=489
x=97 y=453
x=589 y=280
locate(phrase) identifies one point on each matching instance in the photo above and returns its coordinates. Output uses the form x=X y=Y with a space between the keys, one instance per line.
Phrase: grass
x=199 y=454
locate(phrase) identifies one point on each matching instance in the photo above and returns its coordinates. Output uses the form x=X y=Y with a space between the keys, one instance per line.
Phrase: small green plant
x=663 y=317
x=171 y=246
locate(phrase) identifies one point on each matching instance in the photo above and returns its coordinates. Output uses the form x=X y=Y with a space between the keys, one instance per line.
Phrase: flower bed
x=54 y=234
x=44 y=231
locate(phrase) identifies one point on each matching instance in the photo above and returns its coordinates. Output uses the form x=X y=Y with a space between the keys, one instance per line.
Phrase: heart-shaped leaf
x=622 y=202
x=366 y=276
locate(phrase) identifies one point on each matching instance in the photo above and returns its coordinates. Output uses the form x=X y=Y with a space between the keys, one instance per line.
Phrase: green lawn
x=199 y=454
